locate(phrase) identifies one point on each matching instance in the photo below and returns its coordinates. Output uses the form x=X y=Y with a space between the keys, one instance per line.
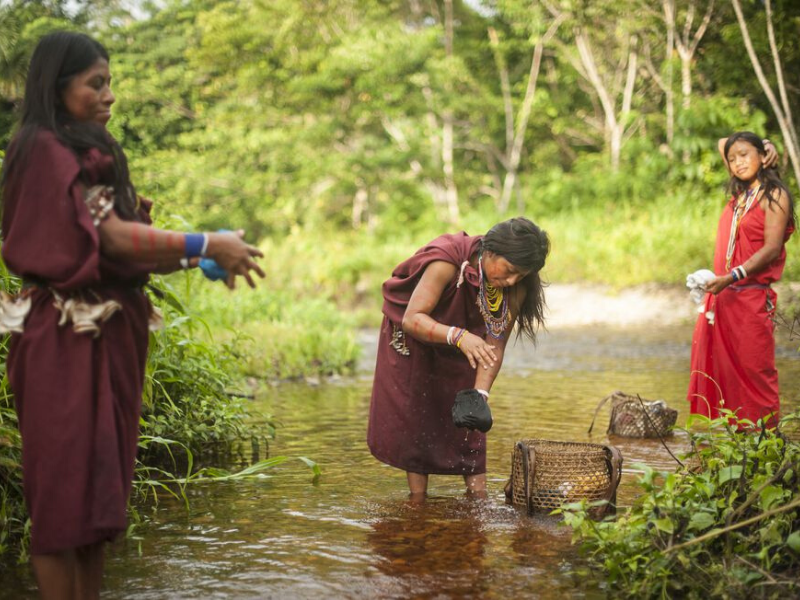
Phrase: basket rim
x=540 y=445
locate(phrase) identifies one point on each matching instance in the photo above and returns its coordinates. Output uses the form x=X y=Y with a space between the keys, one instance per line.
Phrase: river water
x=356 y=535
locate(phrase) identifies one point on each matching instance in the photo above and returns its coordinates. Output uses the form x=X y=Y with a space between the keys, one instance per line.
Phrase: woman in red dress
x=79 y=236
x=733 y=348
x=448 y=311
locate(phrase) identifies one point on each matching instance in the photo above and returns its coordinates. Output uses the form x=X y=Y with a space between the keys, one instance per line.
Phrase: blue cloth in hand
x=212 y=270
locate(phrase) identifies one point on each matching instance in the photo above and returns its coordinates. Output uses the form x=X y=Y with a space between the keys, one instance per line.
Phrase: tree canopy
x=287 y=114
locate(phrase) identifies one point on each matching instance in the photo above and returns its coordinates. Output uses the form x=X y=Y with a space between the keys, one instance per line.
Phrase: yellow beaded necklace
x=494 y=297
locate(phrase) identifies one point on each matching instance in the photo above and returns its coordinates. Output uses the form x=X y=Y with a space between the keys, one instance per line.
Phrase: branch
x=533 y=76
x=717 y=532
x=791 y=145
x=687 y=28
x=627 y=96
x=505 y=86
x=779 y=72
x=698 y=35
x=651 y=69
x=594 y=78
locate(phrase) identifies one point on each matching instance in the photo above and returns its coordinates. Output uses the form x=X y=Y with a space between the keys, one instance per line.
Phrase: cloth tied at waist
x=86 y=317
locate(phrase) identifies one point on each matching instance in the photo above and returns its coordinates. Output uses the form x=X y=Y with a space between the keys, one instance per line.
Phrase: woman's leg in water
x=417 y=485
x=476 y=485
x=73 y=574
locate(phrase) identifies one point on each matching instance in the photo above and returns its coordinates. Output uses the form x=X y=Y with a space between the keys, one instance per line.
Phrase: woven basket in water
x=632 y=417
x=546 y=474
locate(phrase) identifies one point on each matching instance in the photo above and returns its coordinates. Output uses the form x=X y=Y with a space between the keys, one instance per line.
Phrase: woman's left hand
x=477 y=350
x=716 y=285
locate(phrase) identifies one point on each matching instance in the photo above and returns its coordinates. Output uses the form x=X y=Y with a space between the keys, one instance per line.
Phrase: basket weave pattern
x=630 y=419
x=563 y=472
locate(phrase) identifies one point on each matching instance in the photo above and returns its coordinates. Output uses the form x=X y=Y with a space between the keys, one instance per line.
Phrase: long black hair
x=526 y=246
x=59 y=57
x=769 y=178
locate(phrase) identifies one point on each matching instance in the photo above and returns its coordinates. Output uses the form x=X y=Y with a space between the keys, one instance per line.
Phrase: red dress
x=78 y=397
x=733 y=360
x=410 y=421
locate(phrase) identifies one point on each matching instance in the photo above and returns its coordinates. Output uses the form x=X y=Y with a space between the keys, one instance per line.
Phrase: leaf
x=701 y=521
x=315 y=469
x=771 y=495
x=793 y=541
x=728 y=473
x=664 y=524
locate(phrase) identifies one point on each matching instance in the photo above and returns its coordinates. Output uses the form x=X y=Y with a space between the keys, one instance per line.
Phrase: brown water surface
x=356 y=534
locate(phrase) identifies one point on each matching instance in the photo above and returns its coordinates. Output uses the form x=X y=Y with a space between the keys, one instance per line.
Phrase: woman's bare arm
x=418 y=323
x=138 y=242
x=484 y=378
x=775 y=222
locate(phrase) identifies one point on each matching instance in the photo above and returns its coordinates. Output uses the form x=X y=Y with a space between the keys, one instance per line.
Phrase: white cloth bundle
x=696 y=282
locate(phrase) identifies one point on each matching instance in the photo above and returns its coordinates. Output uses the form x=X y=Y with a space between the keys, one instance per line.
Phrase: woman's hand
x=235 y=256
x=477 y=350
x=716 y=285
x=770 y=157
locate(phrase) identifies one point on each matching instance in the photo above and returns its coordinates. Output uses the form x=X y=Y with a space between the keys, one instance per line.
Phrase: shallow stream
x=356 y=535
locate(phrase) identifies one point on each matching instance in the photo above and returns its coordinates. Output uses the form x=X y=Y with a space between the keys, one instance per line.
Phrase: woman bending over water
x=448 y=312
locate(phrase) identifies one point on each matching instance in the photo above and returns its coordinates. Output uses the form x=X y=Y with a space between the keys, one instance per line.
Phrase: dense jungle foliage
x=328 y=129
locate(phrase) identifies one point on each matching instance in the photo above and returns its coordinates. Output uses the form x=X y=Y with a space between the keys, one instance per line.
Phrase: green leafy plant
x=191 y=392
x=725 y=526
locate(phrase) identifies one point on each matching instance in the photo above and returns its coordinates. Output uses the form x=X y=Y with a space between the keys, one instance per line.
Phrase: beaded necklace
x=743 y=204
x=492 y=300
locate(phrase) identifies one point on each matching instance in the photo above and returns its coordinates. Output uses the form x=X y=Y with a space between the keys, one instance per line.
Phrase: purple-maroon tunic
x=78 y=397
x=410 y=421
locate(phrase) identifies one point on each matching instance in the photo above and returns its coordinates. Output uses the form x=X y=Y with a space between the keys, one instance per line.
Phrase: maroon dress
x=78 y=397
x=410 y=421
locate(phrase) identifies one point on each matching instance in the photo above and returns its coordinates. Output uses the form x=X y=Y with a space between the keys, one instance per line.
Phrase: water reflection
x=354 y=535
x=439 y=542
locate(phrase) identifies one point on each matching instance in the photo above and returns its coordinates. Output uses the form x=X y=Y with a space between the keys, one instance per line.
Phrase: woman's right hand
x=477 y=350
x=770 y=157
x=234 y=255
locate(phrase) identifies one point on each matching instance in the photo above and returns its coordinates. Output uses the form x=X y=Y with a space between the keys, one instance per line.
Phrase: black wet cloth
x=471 y=410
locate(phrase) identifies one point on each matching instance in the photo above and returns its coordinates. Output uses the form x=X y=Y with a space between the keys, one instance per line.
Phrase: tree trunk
x=669 y=18
x=514 y=152
x=687 y=46
x=614 y=124
x=360 y=202
x=686 y=80
x=782 y=113
x=451 y=192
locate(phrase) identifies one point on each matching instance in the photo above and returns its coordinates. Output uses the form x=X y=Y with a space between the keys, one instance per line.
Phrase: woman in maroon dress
x=448 y=311
x=79 y=236
x=733 y=348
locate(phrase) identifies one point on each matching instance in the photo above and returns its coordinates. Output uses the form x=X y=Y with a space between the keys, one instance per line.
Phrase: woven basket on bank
x=637 y=418
x=546 y=474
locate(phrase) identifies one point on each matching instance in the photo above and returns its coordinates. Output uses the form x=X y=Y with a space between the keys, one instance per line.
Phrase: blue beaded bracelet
x=195 y=244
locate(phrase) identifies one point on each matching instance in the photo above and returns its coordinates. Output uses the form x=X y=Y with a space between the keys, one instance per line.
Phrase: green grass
x=615 y=244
